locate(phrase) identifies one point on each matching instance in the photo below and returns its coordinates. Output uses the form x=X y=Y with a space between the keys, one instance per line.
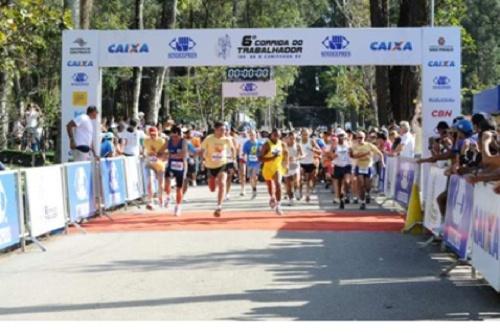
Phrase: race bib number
x=217 y=156
x=364 y=171
x=253 y=158
x=153 y=158
x=177 y=165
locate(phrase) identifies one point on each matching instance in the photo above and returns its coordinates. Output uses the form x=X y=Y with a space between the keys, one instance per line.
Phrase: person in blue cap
x=107 y=147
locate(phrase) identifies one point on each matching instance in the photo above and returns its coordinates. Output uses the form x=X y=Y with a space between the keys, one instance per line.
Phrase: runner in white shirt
x=342 y=167
x=292 y=177
x=81 y=135
x=406 y=147
x=310 y=149
x=132 y=140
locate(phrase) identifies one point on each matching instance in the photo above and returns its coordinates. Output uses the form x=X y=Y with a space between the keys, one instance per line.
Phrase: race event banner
x=405 y=176
x=458 y=215
x=113 y=181
x=45 y=201
x=80 y=194
x=9 y=210
x=435 y=186
x=249 y=89
x=390 y=176
x=134 y=179
x=486 y=234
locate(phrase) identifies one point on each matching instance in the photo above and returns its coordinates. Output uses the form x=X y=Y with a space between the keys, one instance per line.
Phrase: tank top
x=275 y=149
x=176 y=164
x=307 y=150
x=342 y=159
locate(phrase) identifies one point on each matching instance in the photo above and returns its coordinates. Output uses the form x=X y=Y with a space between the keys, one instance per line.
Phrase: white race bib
x=217 y=156
x=177 y=165
x=253 y=158
x=363 y=171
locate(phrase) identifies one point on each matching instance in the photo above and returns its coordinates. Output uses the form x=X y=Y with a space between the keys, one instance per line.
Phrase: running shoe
x=308 y=198
x=149 y=206
x=217 y=212
x=242 y=194
x=254 y=195
x=279 y=211
x=368 y=199
x=342 y=205
x=177 y=210
x=167 y=203
x=291 y=202
x=356 y=201
x=347 y=201
x=272 y=203
x=363 y=206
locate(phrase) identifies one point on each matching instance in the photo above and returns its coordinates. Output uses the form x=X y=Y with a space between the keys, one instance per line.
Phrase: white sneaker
x=279 y=211
x=242 y=193
x=272 y=204
x=167 y=203
x=291 y=202
x=227 y=197
x=254 y=195
x=177 y=210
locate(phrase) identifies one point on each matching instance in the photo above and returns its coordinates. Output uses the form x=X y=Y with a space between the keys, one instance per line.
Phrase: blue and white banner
x=9 y=210
x=405 y=177
x=381 y=178
x=81 y=194
x=458 y=215
x=135 y=189
x=486 y=234
x=391 y=168
x=113 y=182
x=45 y=201
x=435 y=186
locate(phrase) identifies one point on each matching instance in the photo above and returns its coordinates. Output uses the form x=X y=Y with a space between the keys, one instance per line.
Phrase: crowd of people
x=291 y=162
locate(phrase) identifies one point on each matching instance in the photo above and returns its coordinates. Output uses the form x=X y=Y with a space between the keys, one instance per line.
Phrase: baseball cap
x=339 y=131
x=464 y=126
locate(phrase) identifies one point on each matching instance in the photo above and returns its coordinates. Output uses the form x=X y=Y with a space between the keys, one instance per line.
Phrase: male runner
x=251 y=150
x=240 y=141
x=292 y=177
x=341 y=167
x=308 y=163
x=214 y=150
x=177 y=167
x=274 y=156
x=154 y=151
x=232 y=161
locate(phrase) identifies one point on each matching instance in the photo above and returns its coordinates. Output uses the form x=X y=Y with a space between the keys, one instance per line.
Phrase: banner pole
x=20 y=210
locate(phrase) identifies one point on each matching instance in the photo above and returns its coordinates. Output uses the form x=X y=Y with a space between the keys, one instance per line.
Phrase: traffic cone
x=414 y=215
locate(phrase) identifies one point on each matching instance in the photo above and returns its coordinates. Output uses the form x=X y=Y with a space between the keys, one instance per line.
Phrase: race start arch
x=436 y=49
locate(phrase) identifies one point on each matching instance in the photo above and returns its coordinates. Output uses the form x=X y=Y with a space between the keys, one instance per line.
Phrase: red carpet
x=291 y=221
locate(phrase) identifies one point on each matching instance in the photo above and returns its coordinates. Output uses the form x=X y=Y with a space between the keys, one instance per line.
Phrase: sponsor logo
x=441 y=82
x=249 y=87
x=441 y=63
x=183 y=47
x=80 y=184
x=224 y=47
x=441 y=46
x=252 y=47
x=78 y=113
x=81 y=47
x=336 y=46
x=129 y=48
x=442 y=113
x=3 y=204
x=80 y=98
x=80 y=79
x=80 y=63
x=391 y=46
x=441 y=100
x=486 y=231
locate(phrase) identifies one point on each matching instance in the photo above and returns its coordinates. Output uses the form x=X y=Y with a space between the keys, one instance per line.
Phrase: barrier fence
x=38 y=201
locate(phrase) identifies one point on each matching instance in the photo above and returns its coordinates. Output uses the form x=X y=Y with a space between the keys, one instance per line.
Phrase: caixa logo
x=129 y=48
x=80 y=79
x=441 y=63
x=249 y=87
x=183 y=47
x=80 y=63
x=336 y=46
x=391 y=46
x=441 y=82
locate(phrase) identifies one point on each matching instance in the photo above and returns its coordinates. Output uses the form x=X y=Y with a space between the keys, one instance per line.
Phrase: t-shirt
x=107 y=148
x=153 y=146
x=84 y=130
x=32 y=119
x=409 y=145
x=215 y=151
x=132 y=142
x=252 y=149
x=367 y=147
x=342 y=158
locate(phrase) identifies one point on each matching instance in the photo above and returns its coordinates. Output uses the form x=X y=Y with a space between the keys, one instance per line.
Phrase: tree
x=85 y=13
x=138 y=24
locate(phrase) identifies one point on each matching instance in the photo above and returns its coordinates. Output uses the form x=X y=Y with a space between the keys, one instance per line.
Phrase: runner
x=308 y=164
x=363 y=152
x=154 y=150
x=292 y=177
x=214 y=151
x=274 y=155
x=241 y=140
x=231 y=167
x=251 y=150
x=176 y=167
x=191 y=163
x=342 y=167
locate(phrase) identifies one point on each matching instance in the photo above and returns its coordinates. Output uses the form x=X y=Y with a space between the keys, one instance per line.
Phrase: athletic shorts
x=177 y=174
x=214 y=172
x=308 y=168
x=253 y=169
x=367 y=172
x=339 y=172
x=230 y=166
x=191 y=169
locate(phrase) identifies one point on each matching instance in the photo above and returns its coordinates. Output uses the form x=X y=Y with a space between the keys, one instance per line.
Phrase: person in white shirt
x=132 y=139
x=81 y=135
x=406 y=147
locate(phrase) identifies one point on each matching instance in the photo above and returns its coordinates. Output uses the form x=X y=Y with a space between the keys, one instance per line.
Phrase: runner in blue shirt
x=251 y=150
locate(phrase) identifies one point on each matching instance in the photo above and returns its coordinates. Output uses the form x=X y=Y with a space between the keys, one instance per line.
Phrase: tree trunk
x=74 y=6
x=158 y=73
x=405 y=81
x=139 y=24
x=379 y=16
x=85 y=13
x=4 y=114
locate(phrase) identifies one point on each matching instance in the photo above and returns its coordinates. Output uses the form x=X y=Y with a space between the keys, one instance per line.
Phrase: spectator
x=81 y=134
x=132 y=138
x=406 y=148
x=18 y=133
x=107 y=147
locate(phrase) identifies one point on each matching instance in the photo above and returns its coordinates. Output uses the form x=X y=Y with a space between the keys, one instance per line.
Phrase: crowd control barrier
x=133 y=178
x=406 y=175
x=436 y=184
x=80 y=190
x=390 y=176
x=112 y=172
x=11 y=215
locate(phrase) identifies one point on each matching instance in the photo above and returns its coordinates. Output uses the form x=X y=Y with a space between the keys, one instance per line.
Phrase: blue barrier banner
x=80 y=186
x=381 y=178
x=113 y=182
x=404 y=180
x=458 y=215
x=9 y=213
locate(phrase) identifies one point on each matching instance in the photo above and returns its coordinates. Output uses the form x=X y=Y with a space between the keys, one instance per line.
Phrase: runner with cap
x=176 y=167
x=215 y=149
x=154 y=151
x=251 y=150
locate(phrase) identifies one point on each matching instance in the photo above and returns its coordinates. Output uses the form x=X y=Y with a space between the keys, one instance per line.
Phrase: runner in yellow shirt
x=274 y=156
x=154 y=151
x=214 y=150
x=363 y=152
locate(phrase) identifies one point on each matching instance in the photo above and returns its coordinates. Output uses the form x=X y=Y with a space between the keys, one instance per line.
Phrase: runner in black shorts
x=177 y=167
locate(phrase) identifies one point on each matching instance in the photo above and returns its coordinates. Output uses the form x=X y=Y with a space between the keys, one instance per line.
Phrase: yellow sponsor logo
x=80 y=98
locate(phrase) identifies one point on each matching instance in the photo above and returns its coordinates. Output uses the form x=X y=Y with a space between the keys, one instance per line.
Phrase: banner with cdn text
x=113 y=182
x=405 y=176
x=435 y=186
x=486 y=234
x=9 y=210
x=458 y=215
x=45 y=212
x=80 y=190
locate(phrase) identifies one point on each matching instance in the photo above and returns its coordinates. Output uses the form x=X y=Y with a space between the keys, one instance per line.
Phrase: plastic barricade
x=406 y=174
x=436 y=184
x=10 y=209
x=80 y=190
x=390 y=176
x=133 y=177
x=113 y=187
